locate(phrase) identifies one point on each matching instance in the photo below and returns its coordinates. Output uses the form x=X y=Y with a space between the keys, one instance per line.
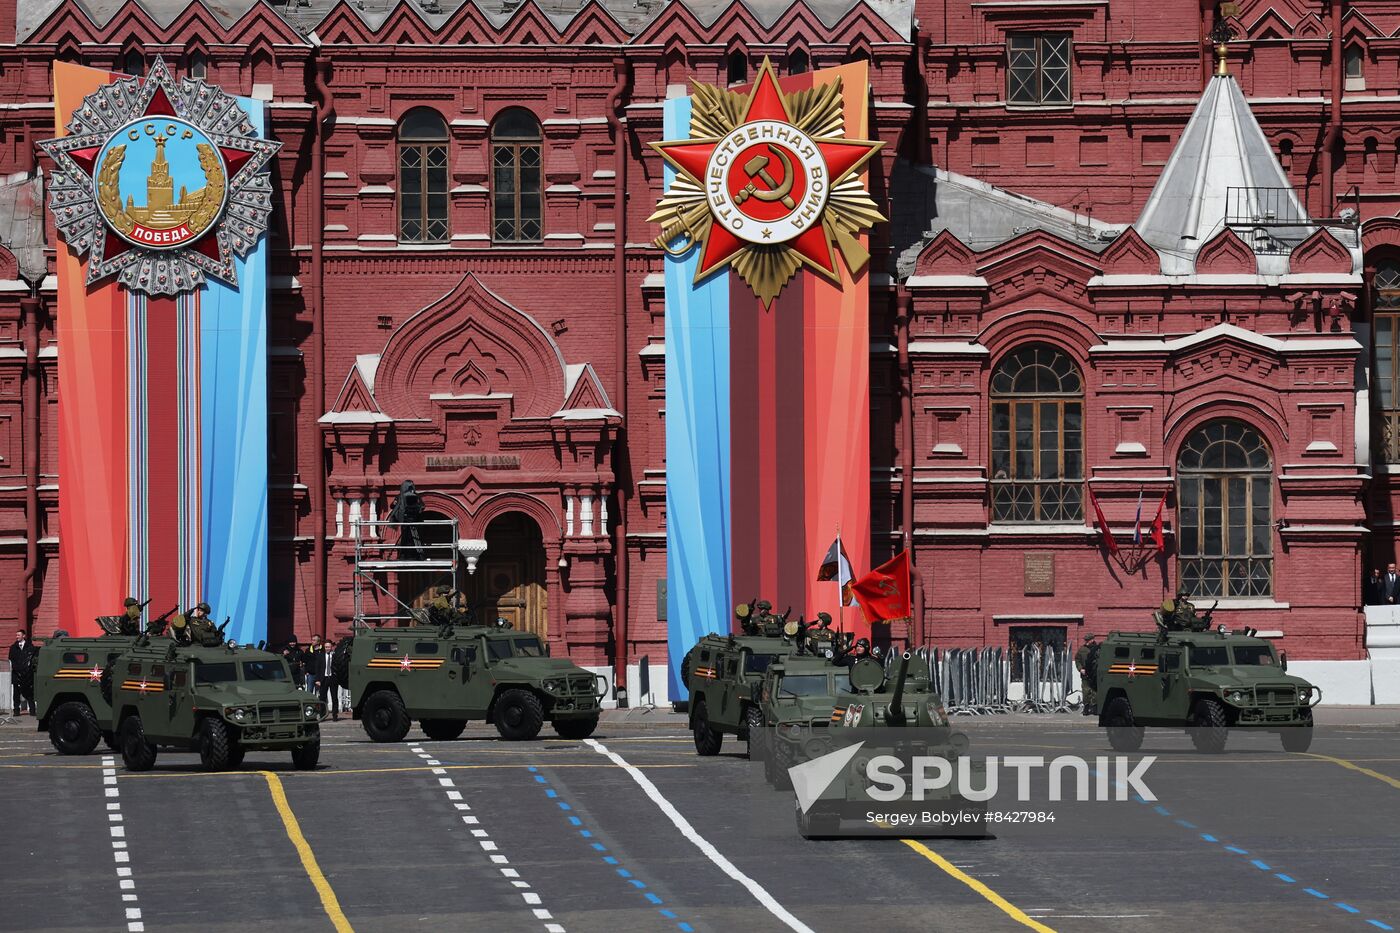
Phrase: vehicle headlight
x=554 y=686
x=312 y=712
x=791 y=730
x=1236 y=696
x=1304 y=694
x=238 y=713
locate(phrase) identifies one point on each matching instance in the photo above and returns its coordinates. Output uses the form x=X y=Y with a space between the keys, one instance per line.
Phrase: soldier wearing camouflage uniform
x=131 y=616
x=1084 y=660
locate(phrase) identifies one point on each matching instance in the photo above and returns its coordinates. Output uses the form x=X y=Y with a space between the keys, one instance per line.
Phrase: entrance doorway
x=509 y=582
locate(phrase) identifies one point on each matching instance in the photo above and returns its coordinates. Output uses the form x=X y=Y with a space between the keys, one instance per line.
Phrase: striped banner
x=162 y=436
x=767 y=428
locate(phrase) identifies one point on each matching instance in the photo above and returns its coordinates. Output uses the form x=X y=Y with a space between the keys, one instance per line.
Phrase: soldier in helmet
x=1184 y=614
x=1084 y=660
x=131 y=616
x=440 y=610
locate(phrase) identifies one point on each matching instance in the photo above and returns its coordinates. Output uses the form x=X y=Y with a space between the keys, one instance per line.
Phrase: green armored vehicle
x=445 y=675
x=221 y=701
x=723 y=673
x=892 y=710
x=796 y=700
x=73 y=682
x=1205 y=681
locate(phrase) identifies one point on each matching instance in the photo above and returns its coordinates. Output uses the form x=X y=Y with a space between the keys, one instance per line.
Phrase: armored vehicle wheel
x=1209 y=730
x=443 y=730
x=305 y=755
x=1122 y=734
x=235 y=754
x=73 y=728
x=105 y=684
x=137 y=753
x=384 y=717
x=519 y=715
x=575 y=728
x=782 y=757
x=340 y=661
x=756 y=733
x=1298 y=738
x=685 y=671
x=707 y=740
x=214 y=744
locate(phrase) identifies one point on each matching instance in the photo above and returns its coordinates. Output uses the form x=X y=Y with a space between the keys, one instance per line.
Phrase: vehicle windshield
x=1254 y=654
x=497 y=649
x=265 y=670
x=1208 y=656
x=758 y=663
x=215 y=672
x=528 y=647
x=805 y=685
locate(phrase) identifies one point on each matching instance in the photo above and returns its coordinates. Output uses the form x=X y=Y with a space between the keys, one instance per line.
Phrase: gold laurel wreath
x=109 y=190
x=684 y=211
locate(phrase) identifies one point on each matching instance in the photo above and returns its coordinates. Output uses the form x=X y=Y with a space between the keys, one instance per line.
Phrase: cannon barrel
x=894 y=715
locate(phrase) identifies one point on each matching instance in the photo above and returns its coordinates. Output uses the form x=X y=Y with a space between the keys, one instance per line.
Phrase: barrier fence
x=986 y=681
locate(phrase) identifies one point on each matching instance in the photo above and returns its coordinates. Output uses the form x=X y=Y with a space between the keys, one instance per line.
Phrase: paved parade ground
x=633 y=831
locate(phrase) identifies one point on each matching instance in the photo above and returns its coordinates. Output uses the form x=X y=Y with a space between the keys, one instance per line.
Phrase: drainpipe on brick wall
x=1334 y=125
x=325 y=112
x=30 y=309
x=904 y=314
x=621 y=473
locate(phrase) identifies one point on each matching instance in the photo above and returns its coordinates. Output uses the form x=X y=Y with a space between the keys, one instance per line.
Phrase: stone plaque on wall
x=1039 y=574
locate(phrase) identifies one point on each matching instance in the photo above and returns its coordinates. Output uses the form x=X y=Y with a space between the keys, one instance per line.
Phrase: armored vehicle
x=723 y=672
x=73 y=684
x=1205 y=681
x=445 y=675
x=890 y=709
x=221 y=701
x=795 y=701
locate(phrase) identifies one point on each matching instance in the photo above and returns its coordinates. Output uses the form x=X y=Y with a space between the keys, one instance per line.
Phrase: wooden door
x=509 y=580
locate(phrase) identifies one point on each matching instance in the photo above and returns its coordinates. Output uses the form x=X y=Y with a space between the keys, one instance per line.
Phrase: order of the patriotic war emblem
x=160 y=182
x=767 y=183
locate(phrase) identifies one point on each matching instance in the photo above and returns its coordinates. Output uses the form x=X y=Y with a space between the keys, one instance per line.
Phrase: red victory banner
x=883 y=593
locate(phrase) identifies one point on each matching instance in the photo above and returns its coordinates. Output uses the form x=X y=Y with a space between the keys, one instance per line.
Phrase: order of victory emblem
x=160 y=182
x=766 y=184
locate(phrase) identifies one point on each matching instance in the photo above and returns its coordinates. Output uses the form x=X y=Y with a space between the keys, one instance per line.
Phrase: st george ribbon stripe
x=697 y=443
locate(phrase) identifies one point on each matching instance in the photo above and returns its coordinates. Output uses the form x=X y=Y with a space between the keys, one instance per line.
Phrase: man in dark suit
x=21 y=657
x=1373 y=590
x=1391 y=585
x=319 y=665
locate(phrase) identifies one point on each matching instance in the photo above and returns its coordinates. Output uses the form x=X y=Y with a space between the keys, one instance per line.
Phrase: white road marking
x=759 y=893
x=134 y=923
x=483 y=839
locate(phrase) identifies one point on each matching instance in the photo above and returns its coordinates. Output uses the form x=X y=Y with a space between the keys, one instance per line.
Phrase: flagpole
x=840 y=602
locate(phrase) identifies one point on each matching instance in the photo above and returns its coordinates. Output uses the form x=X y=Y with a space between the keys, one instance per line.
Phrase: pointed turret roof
x=1221 y=148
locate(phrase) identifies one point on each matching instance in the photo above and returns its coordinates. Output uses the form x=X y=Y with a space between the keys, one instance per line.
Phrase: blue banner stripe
x=233 y=427
x=697 y=443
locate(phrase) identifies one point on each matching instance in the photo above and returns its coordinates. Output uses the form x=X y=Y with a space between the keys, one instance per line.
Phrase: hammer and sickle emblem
x=757 y=170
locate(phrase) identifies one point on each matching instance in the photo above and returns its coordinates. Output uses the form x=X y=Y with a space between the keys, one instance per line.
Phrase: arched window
x=515 y=161
x=737 y=67
x=798 y=62
x=1353 y=61
x=1385 y=313
x=134 y=63
x=1037 y=399
x=199 y=65
x=422 y=177
x=1225 y=531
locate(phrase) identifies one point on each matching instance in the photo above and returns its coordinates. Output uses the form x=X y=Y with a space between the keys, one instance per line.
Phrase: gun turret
x=1204 y=621
x=894 y=714
x=157 y=625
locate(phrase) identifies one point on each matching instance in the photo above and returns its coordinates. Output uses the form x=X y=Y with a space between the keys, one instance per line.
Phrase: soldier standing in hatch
x=131 y=623
x=1084 y=660
x=1184 y=613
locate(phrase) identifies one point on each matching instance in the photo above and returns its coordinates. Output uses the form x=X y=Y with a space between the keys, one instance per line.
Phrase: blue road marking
x=623 y=873
x=1259 y=864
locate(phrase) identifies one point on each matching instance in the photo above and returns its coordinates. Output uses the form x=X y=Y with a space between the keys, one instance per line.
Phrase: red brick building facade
x=465 y=295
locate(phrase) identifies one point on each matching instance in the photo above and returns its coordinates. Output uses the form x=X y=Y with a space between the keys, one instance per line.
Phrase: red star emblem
x=766 y=179
x=142 y=688
x=406 y=664
x=1132 y=669
x=95 y=675
x=159 y=106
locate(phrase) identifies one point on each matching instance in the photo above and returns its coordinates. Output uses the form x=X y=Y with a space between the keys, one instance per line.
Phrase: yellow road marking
x=1352 y=766
x=308 y=858
x=1006 y=907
